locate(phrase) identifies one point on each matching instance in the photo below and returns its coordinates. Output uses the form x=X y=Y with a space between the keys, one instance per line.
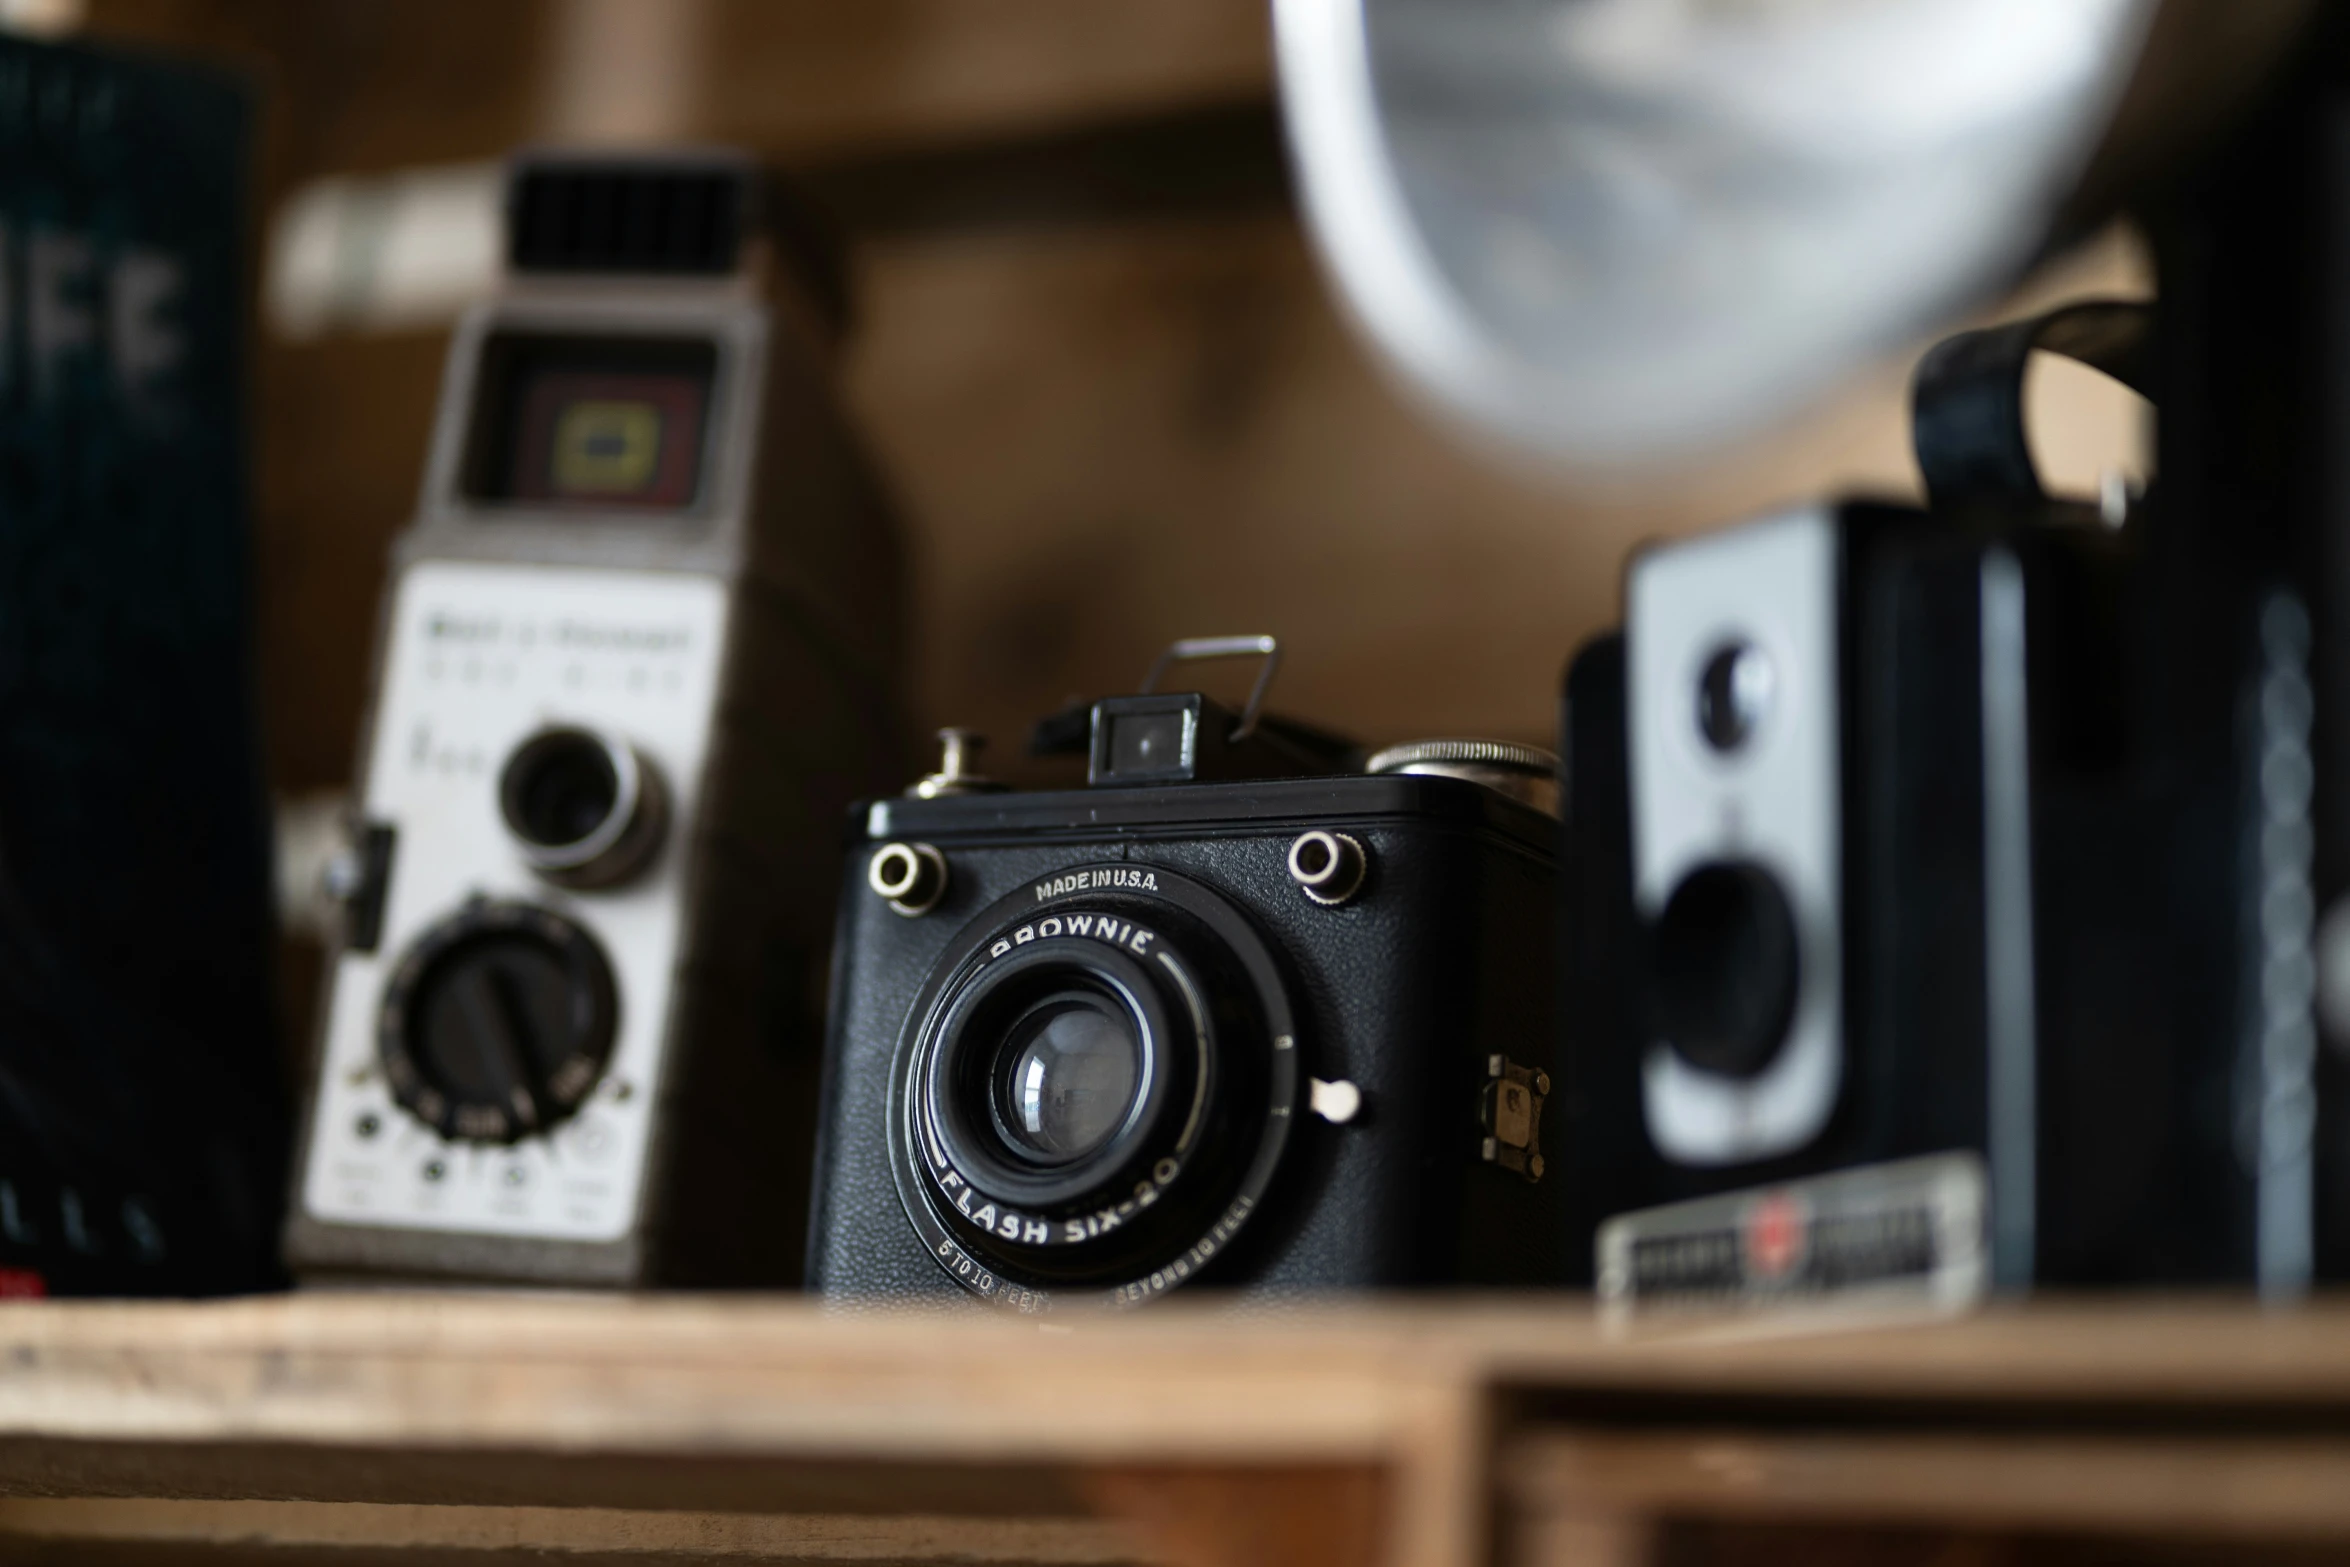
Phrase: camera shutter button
x=1337 y=1101
x=1725 y=968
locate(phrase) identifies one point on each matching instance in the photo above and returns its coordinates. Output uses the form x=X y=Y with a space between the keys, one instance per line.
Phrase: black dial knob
x=1725 y=968
x=498 y=1022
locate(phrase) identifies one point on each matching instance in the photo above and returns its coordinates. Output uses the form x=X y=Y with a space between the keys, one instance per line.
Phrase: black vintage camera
x=1244 y=1012
x=1866 y=894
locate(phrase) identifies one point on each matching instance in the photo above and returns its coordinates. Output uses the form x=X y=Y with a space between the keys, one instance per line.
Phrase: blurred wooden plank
x=1324 y=1432
x=2158 y=1484
x=536 y=1473
x=1552 y=1536
x=700 y=1376
x=1202 y=1380
x=1719 y=1543
x=715 y=1405
x=2119 y=1357
x=1233 y=1517
x=286 y=1531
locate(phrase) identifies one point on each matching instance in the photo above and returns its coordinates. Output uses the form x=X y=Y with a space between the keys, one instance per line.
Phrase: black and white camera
x=1247 y=1011
x=638 y=655
x=1865 y=889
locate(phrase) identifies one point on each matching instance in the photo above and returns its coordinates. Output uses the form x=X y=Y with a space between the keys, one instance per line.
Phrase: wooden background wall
x=1113 y=393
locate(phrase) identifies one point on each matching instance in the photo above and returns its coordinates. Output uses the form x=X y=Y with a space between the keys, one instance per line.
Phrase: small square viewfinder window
x=1147 y=742
x=1153 y=745
x=590 y=423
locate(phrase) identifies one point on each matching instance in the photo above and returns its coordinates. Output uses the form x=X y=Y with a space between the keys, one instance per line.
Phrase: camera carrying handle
x=1192 y=649
x=1967 y=399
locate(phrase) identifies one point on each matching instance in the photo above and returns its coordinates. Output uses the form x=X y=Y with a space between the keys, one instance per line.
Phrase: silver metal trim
x=911 y=877
x=1341 y=874
x=1483 y=753
x=2009 y=987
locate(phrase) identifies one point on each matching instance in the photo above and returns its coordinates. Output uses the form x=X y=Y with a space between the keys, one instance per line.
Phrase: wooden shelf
x=471 y=1427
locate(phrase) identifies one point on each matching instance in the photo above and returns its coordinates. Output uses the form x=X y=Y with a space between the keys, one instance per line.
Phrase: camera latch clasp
x=1510 y=1109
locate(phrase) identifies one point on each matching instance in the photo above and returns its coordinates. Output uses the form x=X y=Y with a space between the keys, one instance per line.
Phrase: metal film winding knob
x=1525 y=773
x=957 y=750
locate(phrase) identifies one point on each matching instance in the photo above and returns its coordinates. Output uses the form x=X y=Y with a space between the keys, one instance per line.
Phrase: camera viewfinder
x=1147 y=740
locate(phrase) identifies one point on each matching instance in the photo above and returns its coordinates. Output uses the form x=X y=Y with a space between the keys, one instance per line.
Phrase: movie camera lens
x=564 y=788
x=586 y=810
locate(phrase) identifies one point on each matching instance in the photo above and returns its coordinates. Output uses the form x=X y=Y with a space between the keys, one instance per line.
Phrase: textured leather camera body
x=1344 y=1138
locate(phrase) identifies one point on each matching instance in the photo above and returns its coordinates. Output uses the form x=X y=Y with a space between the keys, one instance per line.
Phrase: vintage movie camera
x=1249 y=1010
x=1870 y=990
x=638 y=655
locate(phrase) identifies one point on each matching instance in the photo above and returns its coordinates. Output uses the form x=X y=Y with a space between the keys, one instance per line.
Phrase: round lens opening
x=1734 y=693
x=560 y=788
x=1070 y=1067
x=1728 y=968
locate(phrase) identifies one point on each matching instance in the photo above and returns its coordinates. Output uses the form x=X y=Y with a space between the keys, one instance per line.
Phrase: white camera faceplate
x=479 y=657
x=1774 y=801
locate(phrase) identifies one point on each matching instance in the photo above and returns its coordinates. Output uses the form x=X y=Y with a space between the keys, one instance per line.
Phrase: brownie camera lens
x=1096 y=1094
x=1071 y=1067
x=1052 y=1071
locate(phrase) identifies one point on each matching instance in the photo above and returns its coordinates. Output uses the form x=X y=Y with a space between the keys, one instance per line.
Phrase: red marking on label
x=22 y=1284
x=1774 y=1235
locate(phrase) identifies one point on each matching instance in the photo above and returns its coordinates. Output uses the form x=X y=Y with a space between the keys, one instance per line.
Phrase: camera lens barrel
x=1727 y=966
x=994 y=1089
x=586 y=810
x=1093 y=1092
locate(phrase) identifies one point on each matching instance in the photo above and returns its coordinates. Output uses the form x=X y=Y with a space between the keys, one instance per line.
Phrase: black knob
x=497 y=1023
x=1725 y=967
